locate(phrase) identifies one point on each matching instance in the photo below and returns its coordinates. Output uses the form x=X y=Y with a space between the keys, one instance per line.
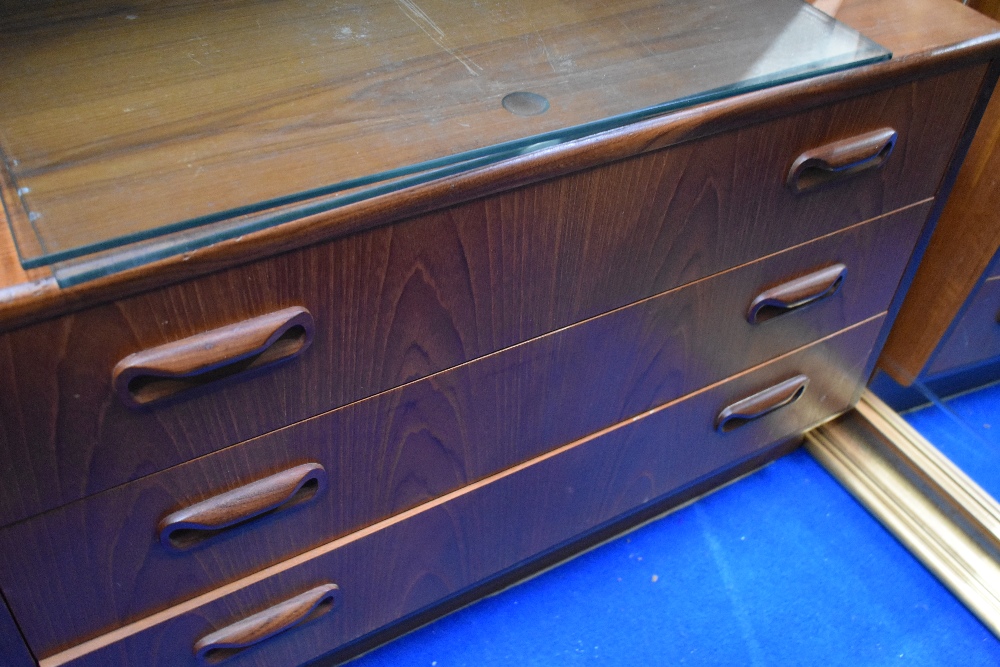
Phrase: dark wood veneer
x=403 y=301
x=403 y=447
x=29 y=296
x=503 y=361
x=444 y=546
x=964 y=243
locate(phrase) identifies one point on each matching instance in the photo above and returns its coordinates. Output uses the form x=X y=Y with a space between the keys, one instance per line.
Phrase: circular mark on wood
x=525 y=104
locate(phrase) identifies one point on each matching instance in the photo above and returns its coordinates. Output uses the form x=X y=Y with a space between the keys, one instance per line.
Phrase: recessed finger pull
x=796 y=294
x=232 y=639
x=167 y=370
x=762 y=403
x=840 y=160
x=194 y=524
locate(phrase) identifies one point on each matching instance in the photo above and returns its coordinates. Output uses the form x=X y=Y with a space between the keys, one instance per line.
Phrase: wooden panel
x=976 y=335
x=989 y=7
x=909 y=27
x=437 y=549
x=964 y=242
x=190 y=97
x=398 y=303
x=400 y=448
x=926 y=36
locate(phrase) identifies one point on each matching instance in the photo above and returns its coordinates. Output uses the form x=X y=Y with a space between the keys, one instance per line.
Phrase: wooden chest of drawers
x=274 y=446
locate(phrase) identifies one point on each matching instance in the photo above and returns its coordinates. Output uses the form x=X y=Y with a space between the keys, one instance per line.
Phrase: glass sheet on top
x=134 y=131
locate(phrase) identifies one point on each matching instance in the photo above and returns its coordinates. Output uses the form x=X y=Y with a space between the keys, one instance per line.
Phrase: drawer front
x=393 y=451
x=401 y=302
x=976 y=335
x=412 y=560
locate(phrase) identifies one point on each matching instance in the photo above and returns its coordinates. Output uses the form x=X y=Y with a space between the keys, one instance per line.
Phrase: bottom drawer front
x=407 y=562
x=976 y=335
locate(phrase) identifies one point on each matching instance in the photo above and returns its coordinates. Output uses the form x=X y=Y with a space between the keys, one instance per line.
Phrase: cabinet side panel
x=961 y=248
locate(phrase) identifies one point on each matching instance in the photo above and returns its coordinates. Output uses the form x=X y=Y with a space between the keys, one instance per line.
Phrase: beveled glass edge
x=73 y=273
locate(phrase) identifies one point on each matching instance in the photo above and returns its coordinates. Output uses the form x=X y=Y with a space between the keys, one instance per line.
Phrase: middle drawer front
x=413 y=560
x=403 y=447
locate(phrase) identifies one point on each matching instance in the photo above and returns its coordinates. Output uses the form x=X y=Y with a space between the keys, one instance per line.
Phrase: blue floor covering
x=966 y=428
x=780 y=568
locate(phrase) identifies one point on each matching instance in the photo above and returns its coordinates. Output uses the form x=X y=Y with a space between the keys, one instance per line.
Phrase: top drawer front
x=401 y=302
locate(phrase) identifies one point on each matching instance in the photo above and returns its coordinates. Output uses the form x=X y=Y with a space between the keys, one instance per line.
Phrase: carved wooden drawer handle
x=191 y=525
x=161 y=372
x=230 y=640
x=796 y=294
x=841 y=159
x=761 y=403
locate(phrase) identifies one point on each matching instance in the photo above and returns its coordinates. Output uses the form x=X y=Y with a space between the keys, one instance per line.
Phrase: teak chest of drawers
x=273 y=447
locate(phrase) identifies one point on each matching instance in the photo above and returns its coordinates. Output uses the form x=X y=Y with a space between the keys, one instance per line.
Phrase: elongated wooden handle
x=796 y=294
x=230 y=640
x=761 y=403
x=191 y=525
x=165 y=371
x=841 y=159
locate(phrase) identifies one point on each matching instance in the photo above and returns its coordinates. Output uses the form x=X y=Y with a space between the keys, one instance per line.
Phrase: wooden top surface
x=920 y=33
x=171 y=111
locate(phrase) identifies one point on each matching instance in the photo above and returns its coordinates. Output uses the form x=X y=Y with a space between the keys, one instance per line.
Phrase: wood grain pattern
x=403 y=301
x=286 y=98
x=203 y=520
x=282 y=617
x=759 y=405
x=927 y=36
x=965 y=240
x=796 y=293
x=989 y=7
x=169 y=371
x=400 y=448
x=841 y=159
x=912 y=27
x=975 y=336
x=444 y=546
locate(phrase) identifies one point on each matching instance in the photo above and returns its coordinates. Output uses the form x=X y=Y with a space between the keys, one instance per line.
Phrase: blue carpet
x=966 y=428
x=780 y=568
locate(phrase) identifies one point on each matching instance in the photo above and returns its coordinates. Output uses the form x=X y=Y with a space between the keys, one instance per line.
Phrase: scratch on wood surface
x=545 y=47
x=438 y=36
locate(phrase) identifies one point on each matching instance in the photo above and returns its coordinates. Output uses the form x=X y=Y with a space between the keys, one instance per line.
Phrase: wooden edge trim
x=876 y=460
x=47 y=299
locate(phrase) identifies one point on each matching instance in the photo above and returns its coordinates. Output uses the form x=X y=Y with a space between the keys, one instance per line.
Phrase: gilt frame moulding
x=940 y=514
